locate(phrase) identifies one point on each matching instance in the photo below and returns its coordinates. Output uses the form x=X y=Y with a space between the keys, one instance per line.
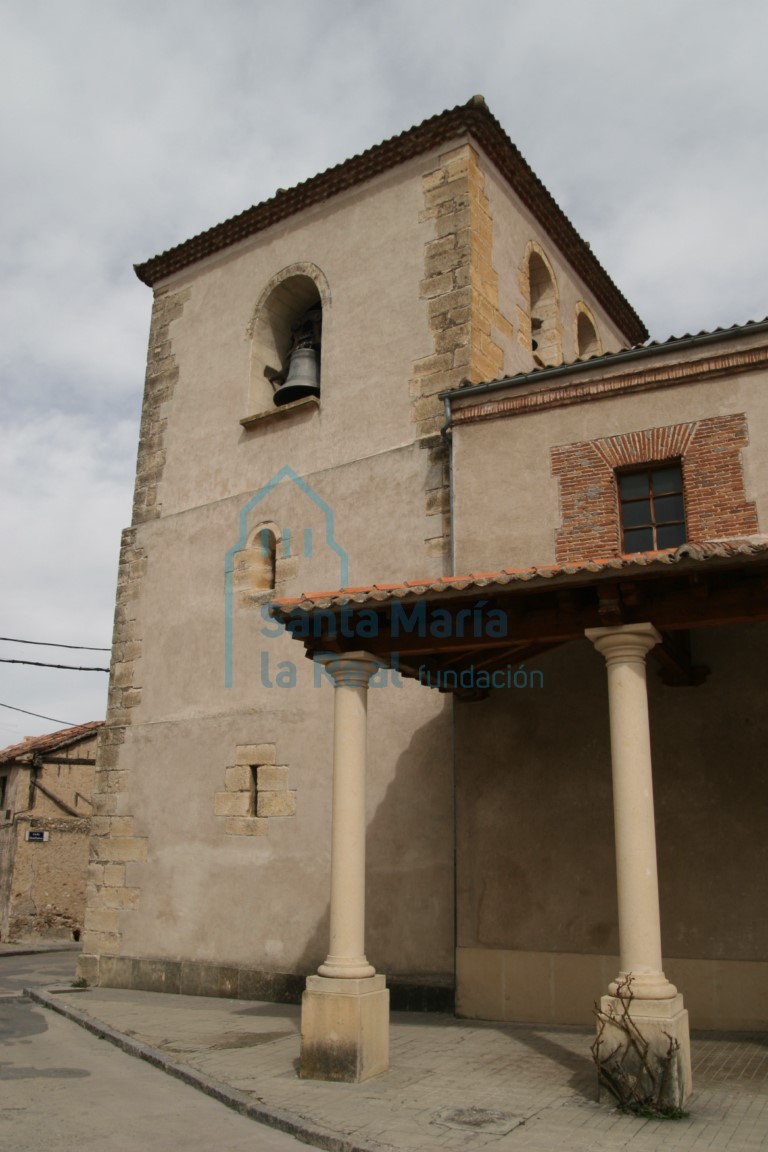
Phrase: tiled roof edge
x=50 y=740
x=474 y=118
x=640 y=351
x=697 y=552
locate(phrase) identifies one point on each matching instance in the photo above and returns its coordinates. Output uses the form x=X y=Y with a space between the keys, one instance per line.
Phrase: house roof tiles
x=50 y=741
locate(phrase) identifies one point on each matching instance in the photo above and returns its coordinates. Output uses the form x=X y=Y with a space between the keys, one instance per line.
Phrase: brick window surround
x=716 y=505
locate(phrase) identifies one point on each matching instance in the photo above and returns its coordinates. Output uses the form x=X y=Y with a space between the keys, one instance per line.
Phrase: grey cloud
x=127 y=128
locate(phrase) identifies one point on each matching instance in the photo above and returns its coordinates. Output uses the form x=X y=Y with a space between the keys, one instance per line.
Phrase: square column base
x=661 y=1024
x=344 y=1029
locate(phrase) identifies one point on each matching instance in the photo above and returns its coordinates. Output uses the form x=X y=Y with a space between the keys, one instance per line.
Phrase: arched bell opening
x=287 y=334
x=587 y=340
x=546 y=343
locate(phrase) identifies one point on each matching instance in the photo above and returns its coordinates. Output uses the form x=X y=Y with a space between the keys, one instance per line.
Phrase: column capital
x=625 y=642
x=350 y=669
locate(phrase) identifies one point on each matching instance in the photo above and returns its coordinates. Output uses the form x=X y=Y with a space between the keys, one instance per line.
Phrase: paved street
x=63 y=1089
x=452 y=1084
x=40 y=970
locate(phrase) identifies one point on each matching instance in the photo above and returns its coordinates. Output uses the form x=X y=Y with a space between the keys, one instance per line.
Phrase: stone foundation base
x=197 y=978
x=661 y=1024
x=344 y=1029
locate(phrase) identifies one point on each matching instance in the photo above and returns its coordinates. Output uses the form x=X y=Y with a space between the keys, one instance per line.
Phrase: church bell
x=303 y=377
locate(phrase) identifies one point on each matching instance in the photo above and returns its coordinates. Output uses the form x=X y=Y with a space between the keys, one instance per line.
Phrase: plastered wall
x=507 y=497
x=537 y=917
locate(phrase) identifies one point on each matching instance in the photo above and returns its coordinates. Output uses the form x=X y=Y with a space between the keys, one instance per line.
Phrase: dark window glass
x=668 y=508
x=652 y=509
x=633 y=485
x=637 y=514
x=667 y=480
x=638 y=540
x=670 y=535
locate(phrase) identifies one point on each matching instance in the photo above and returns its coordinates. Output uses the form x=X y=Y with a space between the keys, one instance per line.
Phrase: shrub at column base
x=642 y=1053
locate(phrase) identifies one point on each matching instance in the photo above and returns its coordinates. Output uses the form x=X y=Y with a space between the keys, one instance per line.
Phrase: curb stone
x=296 y=1126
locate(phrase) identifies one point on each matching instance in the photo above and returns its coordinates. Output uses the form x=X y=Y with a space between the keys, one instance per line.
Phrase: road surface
x=64 y=1090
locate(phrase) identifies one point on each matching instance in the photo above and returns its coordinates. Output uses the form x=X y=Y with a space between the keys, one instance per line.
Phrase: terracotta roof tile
x=753 y=546
x=50 y=741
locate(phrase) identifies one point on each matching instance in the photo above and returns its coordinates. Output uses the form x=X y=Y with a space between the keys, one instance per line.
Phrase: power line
x=47 y=644
x=39 y=715
x=39 y=664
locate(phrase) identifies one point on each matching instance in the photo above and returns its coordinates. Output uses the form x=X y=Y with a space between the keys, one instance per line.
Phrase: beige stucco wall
x=369 y=244
x=506 y=499
x=178 y=885
x=261 y=901
x=536 y=871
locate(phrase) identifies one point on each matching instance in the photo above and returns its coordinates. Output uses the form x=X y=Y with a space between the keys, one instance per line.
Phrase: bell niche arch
x=587 y=340
x=286 y=334
x=255 y=566
x=544 y=305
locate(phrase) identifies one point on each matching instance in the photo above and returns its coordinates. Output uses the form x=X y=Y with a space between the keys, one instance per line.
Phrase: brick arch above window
x=716 y=504
x=650 y=446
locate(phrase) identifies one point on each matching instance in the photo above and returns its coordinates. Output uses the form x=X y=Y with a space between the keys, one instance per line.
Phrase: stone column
x=656 y=1007
x=345 y=1008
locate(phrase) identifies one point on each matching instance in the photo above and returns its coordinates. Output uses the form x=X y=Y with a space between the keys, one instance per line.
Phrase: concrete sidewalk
x=453 y=1084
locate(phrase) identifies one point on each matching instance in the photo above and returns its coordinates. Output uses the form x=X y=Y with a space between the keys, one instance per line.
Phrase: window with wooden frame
x=652 y=508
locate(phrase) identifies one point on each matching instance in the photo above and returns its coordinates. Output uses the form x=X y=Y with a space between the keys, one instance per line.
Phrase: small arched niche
x=588 y=342
x=546 y=343
x=255 y=566
x=287 y=319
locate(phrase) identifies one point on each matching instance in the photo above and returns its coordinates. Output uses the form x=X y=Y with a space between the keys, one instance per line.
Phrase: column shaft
x=345 y=1008
x=636 y=870
x=625 y=650
x=346 y=958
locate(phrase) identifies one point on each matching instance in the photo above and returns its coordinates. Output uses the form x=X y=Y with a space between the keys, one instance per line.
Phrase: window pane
x=633 y=485
x=667 y=480
x=668 y=508
x=671 y=535
x=639 y=512
x=638 y=540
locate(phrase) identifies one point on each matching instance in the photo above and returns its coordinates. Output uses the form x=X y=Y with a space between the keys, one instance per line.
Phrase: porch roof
x=695 y=585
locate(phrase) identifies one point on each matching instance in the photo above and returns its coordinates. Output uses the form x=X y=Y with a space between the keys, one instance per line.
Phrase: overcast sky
x=127 y=126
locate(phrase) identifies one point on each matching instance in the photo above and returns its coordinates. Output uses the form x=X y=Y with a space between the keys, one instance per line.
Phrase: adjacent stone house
x=400 y=420
x=46 y=784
